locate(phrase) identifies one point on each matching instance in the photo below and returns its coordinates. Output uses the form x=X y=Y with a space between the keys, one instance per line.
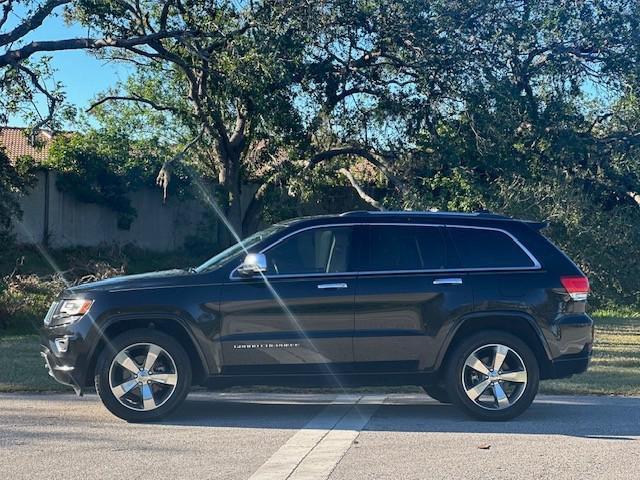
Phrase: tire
x=160 y=384
x=437 y=392
x=504 y=393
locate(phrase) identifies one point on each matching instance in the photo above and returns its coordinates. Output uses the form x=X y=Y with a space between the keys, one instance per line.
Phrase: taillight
x=577 y=287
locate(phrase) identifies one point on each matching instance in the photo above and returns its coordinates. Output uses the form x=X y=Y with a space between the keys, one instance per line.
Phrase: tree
x=14 y=179
x=257 y=97
x=22 y=77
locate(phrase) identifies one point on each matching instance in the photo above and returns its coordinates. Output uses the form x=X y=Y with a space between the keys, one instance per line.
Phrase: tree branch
x=30 y=23
x=371 y=156
x=20 y=54
x=6 y=9
x=164 y=175
x=146 y=101
x=52 y=100
x=361 y=193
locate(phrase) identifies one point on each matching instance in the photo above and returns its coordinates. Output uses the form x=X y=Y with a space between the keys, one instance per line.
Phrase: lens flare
x=220 y=214
x=54 y=266
x=287 y=311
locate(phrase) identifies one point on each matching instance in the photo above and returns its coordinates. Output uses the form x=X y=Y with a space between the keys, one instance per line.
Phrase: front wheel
x=493 y=376
x=437 y=392
x=143 y=375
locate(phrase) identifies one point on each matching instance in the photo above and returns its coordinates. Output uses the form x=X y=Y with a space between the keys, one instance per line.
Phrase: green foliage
x=527 y=108
x=104 y=167
x=14 y=179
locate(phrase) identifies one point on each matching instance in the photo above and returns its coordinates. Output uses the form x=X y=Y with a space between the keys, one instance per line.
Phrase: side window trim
x=357 y=235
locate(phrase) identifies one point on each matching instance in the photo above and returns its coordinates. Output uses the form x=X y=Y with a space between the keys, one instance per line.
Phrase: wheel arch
x=170 y=324
x=519 y=324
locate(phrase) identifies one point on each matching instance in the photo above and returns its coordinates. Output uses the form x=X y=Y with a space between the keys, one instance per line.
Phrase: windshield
x=239 y=249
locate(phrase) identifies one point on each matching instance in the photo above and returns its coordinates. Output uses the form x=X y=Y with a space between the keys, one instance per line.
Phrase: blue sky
x=82 y=75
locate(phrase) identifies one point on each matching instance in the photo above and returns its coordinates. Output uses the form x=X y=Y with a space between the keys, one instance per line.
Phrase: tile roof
x=16 y=143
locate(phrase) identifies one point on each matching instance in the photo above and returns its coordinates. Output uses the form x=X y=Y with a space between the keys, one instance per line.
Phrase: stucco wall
x=73 y=223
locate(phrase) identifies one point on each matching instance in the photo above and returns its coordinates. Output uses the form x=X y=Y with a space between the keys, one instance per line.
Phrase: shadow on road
x=587 y=417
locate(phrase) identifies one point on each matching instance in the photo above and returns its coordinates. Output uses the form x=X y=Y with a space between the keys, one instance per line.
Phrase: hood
x=125 y=282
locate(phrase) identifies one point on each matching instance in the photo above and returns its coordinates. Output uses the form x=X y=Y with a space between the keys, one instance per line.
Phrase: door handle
x=447 y=281
x=329 y=286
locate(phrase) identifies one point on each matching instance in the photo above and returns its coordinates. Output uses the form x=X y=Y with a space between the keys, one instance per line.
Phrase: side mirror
x=253 y=264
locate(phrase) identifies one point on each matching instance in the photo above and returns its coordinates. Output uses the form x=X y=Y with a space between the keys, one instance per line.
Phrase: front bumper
x=65 y=351
x=65 y=374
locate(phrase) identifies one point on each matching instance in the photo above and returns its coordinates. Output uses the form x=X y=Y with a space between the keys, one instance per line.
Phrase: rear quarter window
x=483 y=248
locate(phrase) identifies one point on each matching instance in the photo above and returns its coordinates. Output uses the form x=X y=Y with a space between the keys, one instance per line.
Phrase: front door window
x=313 y=251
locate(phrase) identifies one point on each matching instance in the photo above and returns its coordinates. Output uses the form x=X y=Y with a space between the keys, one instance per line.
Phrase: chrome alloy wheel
x=494 y=377
x=143 y=376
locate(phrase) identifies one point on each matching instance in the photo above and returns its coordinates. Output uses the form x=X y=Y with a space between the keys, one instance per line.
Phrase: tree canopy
x=527 y=107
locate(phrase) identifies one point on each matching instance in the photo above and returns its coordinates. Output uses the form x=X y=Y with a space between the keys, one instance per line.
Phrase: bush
x=28 y=286
x=24 y=300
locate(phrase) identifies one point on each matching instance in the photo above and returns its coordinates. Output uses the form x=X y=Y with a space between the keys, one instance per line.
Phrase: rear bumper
x=570 y=342
x=567 y=365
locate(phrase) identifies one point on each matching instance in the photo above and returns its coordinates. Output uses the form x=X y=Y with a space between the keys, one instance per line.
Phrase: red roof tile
x=16 y=144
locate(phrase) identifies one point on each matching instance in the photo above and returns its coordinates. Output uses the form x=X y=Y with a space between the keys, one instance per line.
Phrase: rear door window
x=400 y=247
x=483 y=248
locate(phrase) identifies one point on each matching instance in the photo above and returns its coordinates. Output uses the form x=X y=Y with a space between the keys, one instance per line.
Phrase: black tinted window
x=480 y=248
x=406 y=248
x=318 y=250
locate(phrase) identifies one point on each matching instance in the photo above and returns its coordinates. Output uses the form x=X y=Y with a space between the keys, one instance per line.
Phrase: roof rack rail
x=483 y=213
x=355 y=213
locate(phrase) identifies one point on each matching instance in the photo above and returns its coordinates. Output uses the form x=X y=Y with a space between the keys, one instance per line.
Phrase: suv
x=475 y=308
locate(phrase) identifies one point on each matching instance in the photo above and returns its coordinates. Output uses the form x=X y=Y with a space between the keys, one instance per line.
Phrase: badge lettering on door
x=245 y=346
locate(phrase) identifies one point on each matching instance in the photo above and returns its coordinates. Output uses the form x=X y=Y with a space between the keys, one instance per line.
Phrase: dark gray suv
x=475 y=308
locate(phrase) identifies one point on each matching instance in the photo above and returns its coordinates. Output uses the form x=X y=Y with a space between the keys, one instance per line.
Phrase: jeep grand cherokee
x=474 y=308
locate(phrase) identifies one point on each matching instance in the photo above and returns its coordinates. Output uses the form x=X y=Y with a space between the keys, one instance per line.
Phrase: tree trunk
x=230 y=179
x=252 y=217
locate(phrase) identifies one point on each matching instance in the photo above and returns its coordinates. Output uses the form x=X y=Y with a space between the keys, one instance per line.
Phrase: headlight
x=73 y=308
x=67 y=310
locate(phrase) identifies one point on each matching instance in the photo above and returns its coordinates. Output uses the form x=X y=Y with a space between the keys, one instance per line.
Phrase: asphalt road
x=297 y=436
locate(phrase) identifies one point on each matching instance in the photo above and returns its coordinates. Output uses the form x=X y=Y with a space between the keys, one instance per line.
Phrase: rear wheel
x=143 y=375
x=437 y=392
x=493 y=376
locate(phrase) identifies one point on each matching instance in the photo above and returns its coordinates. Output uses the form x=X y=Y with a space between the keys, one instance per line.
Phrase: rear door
x=300 y=318
x=503 y=273
x=405 y=295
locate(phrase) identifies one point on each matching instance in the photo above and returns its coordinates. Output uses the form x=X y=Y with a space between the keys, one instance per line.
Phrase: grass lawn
x=22 y=368
x=615 y=368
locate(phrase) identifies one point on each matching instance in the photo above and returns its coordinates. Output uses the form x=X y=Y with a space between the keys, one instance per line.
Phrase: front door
x=299 y=317
x=405 y=295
